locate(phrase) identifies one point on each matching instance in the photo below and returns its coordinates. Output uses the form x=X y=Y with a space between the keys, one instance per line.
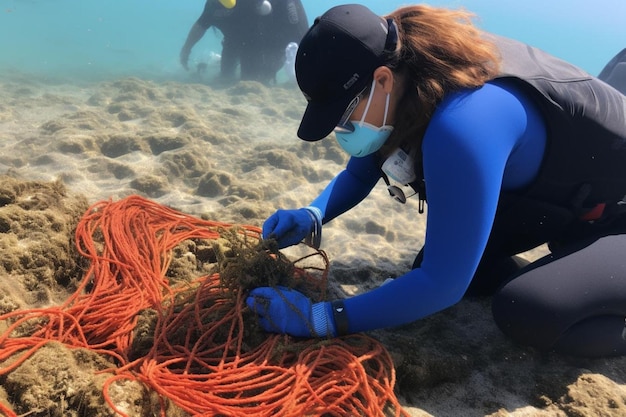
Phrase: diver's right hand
x=290 y=227
x=184 y=58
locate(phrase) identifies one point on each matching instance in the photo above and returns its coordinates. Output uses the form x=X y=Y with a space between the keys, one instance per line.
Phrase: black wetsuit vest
x=582 y=181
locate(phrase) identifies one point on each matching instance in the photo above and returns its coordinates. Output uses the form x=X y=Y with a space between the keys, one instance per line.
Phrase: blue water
x=102 y=39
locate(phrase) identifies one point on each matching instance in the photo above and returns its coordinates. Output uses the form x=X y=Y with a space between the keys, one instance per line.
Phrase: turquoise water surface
x=101 y=39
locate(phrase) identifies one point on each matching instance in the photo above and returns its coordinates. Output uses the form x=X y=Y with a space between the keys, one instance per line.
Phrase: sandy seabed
x=229 y=153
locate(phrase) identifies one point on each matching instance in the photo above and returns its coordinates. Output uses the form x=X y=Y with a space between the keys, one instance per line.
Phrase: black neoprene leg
x=602 y=335
x=573 y=301
x=230 y=58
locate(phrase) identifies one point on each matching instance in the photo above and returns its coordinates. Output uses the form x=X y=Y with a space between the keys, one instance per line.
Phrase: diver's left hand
x=283 y=310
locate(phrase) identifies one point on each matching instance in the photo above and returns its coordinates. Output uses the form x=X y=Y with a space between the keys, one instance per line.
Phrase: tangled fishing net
x=191 y=339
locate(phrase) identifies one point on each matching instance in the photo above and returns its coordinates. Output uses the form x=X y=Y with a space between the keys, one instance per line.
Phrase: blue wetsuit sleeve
x=349 y=187
x=466 y=150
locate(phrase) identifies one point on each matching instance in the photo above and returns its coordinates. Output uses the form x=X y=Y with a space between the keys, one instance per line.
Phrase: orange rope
x=199 y=358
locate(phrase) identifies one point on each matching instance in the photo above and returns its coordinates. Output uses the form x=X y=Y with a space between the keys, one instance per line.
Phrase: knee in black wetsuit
x=572 y=302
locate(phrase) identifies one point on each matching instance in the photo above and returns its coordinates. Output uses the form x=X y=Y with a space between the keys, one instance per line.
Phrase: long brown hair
x=439 y=51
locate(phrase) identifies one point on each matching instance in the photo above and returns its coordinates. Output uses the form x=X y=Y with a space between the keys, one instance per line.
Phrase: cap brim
x=319 y=120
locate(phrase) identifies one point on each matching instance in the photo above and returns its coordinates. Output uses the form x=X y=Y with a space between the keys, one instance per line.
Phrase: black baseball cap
x=336 y=60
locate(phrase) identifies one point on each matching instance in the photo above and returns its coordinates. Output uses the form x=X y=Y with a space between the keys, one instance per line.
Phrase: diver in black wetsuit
x=614 y=73
x=256 y=33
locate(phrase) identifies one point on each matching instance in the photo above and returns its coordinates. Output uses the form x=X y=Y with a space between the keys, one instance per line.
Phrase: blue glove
x=283 y=310
x=290 y=227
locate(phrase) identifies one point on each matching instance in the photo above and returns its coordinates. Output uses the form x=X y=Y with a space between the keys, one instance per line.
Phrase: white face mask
x=366 y=138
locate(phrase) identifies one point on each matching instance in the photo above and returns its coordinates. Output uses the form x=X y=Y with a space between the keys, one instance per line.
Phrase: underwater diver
x=509 y=147
x=255 y=35
x=614 y=73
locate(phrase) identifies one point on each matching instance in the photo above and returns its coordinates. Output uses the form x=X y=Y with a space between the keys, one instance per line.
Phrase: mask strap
x=386 y=110
x=369 y=101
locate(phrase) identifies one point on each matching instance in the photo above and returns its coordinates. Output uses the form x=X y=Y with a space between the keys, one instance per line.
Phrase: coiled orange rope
x=200 y=358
